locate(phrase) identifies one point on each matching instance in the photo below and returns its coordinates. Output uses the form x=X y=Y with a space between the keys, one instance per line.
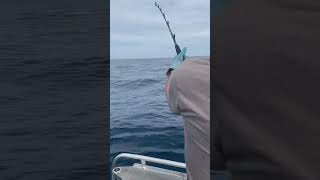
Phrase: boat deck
x=137 y=172
x=142 y=171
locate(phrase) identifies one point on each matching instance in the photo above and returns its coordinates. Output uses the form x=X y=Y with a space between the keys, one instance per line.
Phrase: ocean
x=54 y=93
x=141 y=121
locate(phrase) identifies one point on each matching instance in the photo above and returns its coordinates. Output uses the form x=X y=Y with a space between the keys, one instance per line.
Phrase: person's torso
x=193 y=82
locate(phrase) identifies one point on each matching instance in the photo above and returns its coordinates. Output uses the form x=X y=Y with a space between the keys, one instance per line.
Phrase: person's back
x=267 y=89
x=188 y=94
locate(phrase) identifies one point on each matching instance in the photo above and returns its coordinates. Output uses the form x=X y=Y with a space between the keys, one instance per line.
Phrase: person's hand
x=177 y=60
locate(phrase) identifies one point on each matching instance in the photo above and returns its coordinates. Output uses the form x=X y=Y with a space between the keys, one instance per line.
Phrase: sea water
x=141 y=121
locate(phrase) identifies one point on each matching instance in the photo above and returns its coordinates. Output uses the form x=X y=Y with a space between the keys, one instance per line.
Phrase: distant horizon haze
x=151 y=58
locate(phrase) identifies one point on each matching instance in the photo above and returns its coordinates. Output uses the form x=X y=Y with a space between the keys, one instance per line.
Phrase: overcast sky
x=138 y=30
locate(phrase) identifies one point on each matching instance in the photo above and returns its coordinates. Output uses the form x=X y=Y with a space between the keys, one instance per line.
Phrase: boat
x=144 y=171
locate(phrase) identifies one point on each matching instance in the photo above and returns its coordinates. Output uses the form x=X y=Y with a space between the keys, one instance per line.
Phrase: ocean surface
x=141 y=121
x=54 y=93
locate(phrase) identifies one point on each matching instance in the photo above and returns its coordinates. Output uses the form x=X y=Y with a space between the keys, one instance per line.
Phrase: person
x=267 y=73
x=188 y=94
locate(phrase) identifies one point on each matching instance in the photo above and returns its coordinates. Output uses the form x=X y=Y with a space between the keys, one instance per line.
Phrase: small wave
x=135 y=84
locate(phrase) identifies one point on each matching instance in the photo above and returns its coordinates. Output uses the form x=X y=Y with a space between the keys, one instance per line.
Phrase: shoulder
x=192 y=68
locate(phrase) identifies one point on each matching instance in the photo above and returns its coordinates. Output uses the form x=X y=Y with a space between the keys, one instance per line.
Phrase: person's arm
x=171 y=85
x=172 y=94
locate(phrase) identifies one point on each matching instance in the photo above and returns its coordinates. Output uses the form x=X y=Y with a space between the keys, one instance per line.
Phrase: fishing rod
x=177 y=47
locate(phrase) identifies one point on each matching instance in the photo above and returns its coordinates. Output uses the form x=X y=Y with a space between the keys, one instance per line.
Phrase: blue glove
x=178 y=59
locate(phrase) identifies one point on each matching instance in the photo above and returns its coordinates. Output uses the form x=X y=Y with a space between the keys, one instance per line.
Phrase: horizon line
x=154 y=57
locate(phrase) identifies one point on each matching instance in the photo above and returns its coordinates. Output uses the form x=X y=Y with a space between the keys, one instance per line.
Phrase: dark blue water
x=141 y=121
x=53 y=81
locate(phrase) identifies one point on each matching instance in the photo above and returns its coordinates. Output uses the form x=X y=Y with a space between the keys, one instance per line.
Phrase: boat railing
x=144 y=160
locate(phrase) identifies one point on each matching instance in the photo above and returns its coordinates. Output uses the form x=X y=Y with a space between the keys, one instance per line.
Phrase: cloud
x=139 y=31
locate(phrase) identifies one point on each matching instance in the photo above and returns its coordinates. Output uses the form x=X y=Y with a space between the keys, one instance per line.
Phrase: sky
x=138 y=30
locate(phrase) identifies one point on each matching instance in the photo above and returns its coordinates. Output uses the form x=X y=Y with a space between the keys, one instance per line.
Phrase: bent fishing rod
x=177 y=47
